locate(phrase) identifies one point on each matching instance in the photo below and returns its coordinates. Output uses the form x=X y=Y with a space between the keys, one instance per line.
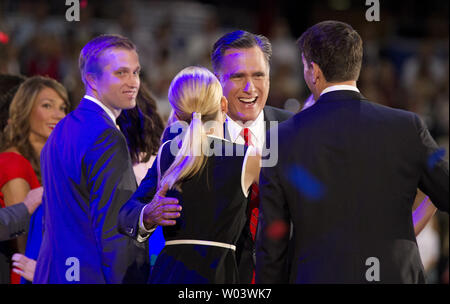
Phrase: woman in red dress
x=39 y=104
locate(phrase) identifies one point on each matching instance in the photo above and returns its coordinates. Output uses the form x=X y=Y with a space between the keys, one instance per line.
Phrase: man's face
x=118 y=85
x=244 y=75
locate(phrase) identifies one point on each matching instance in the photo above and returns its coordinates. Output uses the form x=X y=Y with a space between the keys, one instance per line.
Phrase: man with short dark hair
x=347 y=175
x=87 y=176
x=241 y=62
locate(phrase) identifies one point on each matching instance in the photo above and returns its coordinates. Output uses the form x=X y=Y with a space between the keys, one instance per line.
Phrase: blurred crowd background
x=406 y=63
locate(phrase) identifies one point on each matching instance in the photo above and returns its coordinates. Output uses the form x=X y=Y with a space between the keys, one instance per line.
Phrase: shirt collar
x=257 y=129
x=101 y=105
x=340 y=87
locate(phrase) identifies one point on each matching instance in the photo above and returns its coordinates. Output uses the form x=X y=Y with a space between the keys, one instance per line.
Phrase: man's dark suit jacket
x=130 y=212
x=14 y=221
x=347 y=175
x=87 y=176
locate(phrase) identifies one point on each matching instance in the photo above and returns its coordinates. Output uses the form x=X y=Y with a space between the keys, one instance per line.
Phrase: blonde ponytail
x=195 y=95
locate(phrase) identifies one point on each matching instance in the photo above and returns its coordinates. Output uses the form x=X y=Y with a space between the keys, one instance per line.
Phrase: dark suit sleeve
x=271 y=247
x=434 y=180
x=276 y=114
x=14 y=221
x=111 y=182
x=130 y=212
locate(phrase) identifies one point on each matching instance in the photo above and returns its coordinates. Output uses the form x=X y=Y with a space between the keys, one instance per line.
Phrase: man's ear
x=91 y=81
x=317 y=73
x=224 y=104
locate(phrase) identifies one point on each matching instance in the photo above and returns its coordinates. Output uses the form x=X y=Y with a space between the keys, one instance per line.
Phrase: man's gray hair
x=239 y=40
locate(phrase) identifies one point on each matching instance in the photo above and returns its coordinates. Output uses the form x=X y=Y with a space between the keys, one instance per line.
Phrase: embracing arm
x=134 y=219
x=146 y=208
x=15 y=192
x=13 y=221
x=110 y=181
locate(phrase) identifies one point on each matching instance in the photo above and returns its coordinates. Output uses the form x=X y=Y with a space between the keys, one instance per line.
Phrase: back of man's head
x=335 y=47
x=91 y=52
x=238 y=40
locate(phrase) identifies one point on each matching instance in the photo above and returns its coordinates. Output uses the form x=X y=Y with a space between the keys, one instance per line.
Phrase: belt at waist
x=201 y=242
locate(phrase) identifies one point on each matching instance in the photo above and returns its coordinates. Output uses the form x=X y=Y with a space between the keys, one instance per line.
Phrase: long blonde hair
x=195 y=95
x=16 y=133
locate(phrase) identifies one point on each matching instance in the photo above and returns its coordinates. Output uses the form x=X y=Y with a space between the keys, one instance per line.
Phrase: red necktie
x=246 y=134
x=254 y=197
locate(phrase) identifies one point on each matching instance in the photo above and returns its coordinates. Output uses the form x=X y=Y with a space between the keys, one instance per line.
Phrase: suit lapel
x=267 y=118
x=88 y=105
x=226 y=133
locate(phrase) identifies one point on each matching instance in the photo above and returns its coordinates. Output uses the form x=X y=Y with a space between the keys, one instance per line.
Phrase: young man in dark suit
x=347 y=174
x=87 y=176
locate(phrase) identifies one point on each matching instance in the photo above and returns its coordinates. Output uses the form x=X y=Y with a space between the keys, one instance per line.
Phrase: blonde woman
x=39 y=104
x=210 y=177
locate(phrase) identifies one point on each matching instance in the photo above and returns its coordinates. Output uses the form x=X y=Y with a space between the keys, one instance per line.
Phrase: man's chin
x=245 y=117
x=130 y=105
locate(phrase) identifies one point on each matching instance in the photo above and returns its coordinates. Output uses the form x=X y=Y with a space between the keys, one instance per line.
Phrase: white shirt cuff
x=143 y=233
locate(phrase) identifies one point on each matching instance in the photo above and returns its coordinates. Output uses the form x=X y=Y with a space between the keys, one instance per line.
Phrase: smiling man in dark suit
x=87 y=176
x=347 y=175
x=241 y=62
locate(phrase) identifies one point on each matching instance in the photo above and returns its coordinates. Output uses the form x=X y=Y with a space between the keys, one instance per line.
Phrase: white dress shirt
x=257 y=129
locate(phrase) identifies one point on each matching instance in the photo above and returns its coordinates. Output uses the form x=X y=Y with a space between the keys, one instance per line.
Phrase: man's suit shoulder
x=89 y=131
x=276 y=114
x=370 y=112
x=394 y=116
x=388 y=110
x=92 y=123
x=365 y=107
